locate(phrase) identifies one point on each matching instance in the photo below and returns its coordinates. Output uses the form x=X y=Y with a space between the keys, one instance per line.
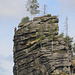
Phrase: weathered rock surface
x=36 y=56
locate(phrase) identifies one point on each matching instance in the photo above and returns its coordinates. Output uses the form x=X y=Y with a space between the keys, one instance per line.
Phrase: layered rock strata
x=38 y=49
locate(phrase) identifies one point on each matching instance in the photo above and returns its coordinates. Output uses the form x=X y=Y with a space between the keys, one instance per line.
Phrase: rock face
x=38 y=49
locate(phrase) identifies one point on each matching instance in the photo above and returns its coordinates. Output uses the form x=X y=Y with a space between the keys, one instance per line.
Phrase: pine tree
x=32 y=6
x=69 y=42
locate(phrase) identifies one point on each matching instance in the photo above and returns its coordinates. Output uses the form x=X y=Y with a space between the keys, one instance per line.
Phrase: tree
x=32 y=6
x=68 y=40
x=25 y=19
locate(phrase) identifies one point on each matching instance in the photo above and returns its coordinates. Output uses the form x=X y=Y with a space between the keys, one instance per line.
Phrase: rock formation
x=39 y=50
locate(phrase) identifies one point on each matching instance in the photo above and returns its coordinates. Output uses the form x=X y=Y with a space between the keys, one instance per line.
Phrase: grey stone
x=34 y=55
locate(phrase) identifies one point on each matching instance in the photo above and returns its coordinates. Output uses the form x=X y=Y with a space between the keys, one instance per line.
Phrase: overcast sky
x=11 y=13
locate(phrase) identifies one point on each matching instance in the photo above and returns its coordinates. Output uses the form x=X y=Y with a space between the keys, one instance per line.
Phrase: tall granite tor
x=38 y=49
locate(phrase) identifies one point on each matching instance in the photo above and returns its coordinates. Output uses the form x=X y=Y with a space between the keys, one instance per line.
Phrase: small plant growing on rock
x=25 y=19
x=41 y=35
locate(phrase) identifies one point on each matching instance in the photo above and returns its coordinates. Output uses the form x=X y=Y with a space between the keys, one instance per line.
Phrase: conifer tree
x=32 y=6
x=69 y=42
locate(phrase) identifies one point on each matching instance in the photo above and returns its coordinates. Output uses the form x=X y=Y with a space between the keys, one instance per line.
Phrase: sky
x=11 y=13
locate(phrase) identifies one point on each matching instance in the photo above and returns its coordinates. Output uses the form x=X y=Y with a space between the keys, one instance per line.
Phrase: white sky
x=13 y=8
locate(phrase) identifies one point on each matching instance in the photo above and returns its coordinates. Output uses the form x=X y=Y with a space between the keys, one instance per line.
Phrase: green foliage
x=56 y=51
x=41 y=37
x=48 y=15
x=41 y=33
x=25 y=19
x=68 y=40
x=61 y=35
x=51 y=30
x=32 y=6
x=74 y=47
x=37 y=64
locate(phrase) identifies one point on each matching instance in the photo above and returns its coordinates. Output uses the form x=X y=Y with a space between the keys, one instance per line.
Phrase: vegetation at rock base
x=61 y=35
